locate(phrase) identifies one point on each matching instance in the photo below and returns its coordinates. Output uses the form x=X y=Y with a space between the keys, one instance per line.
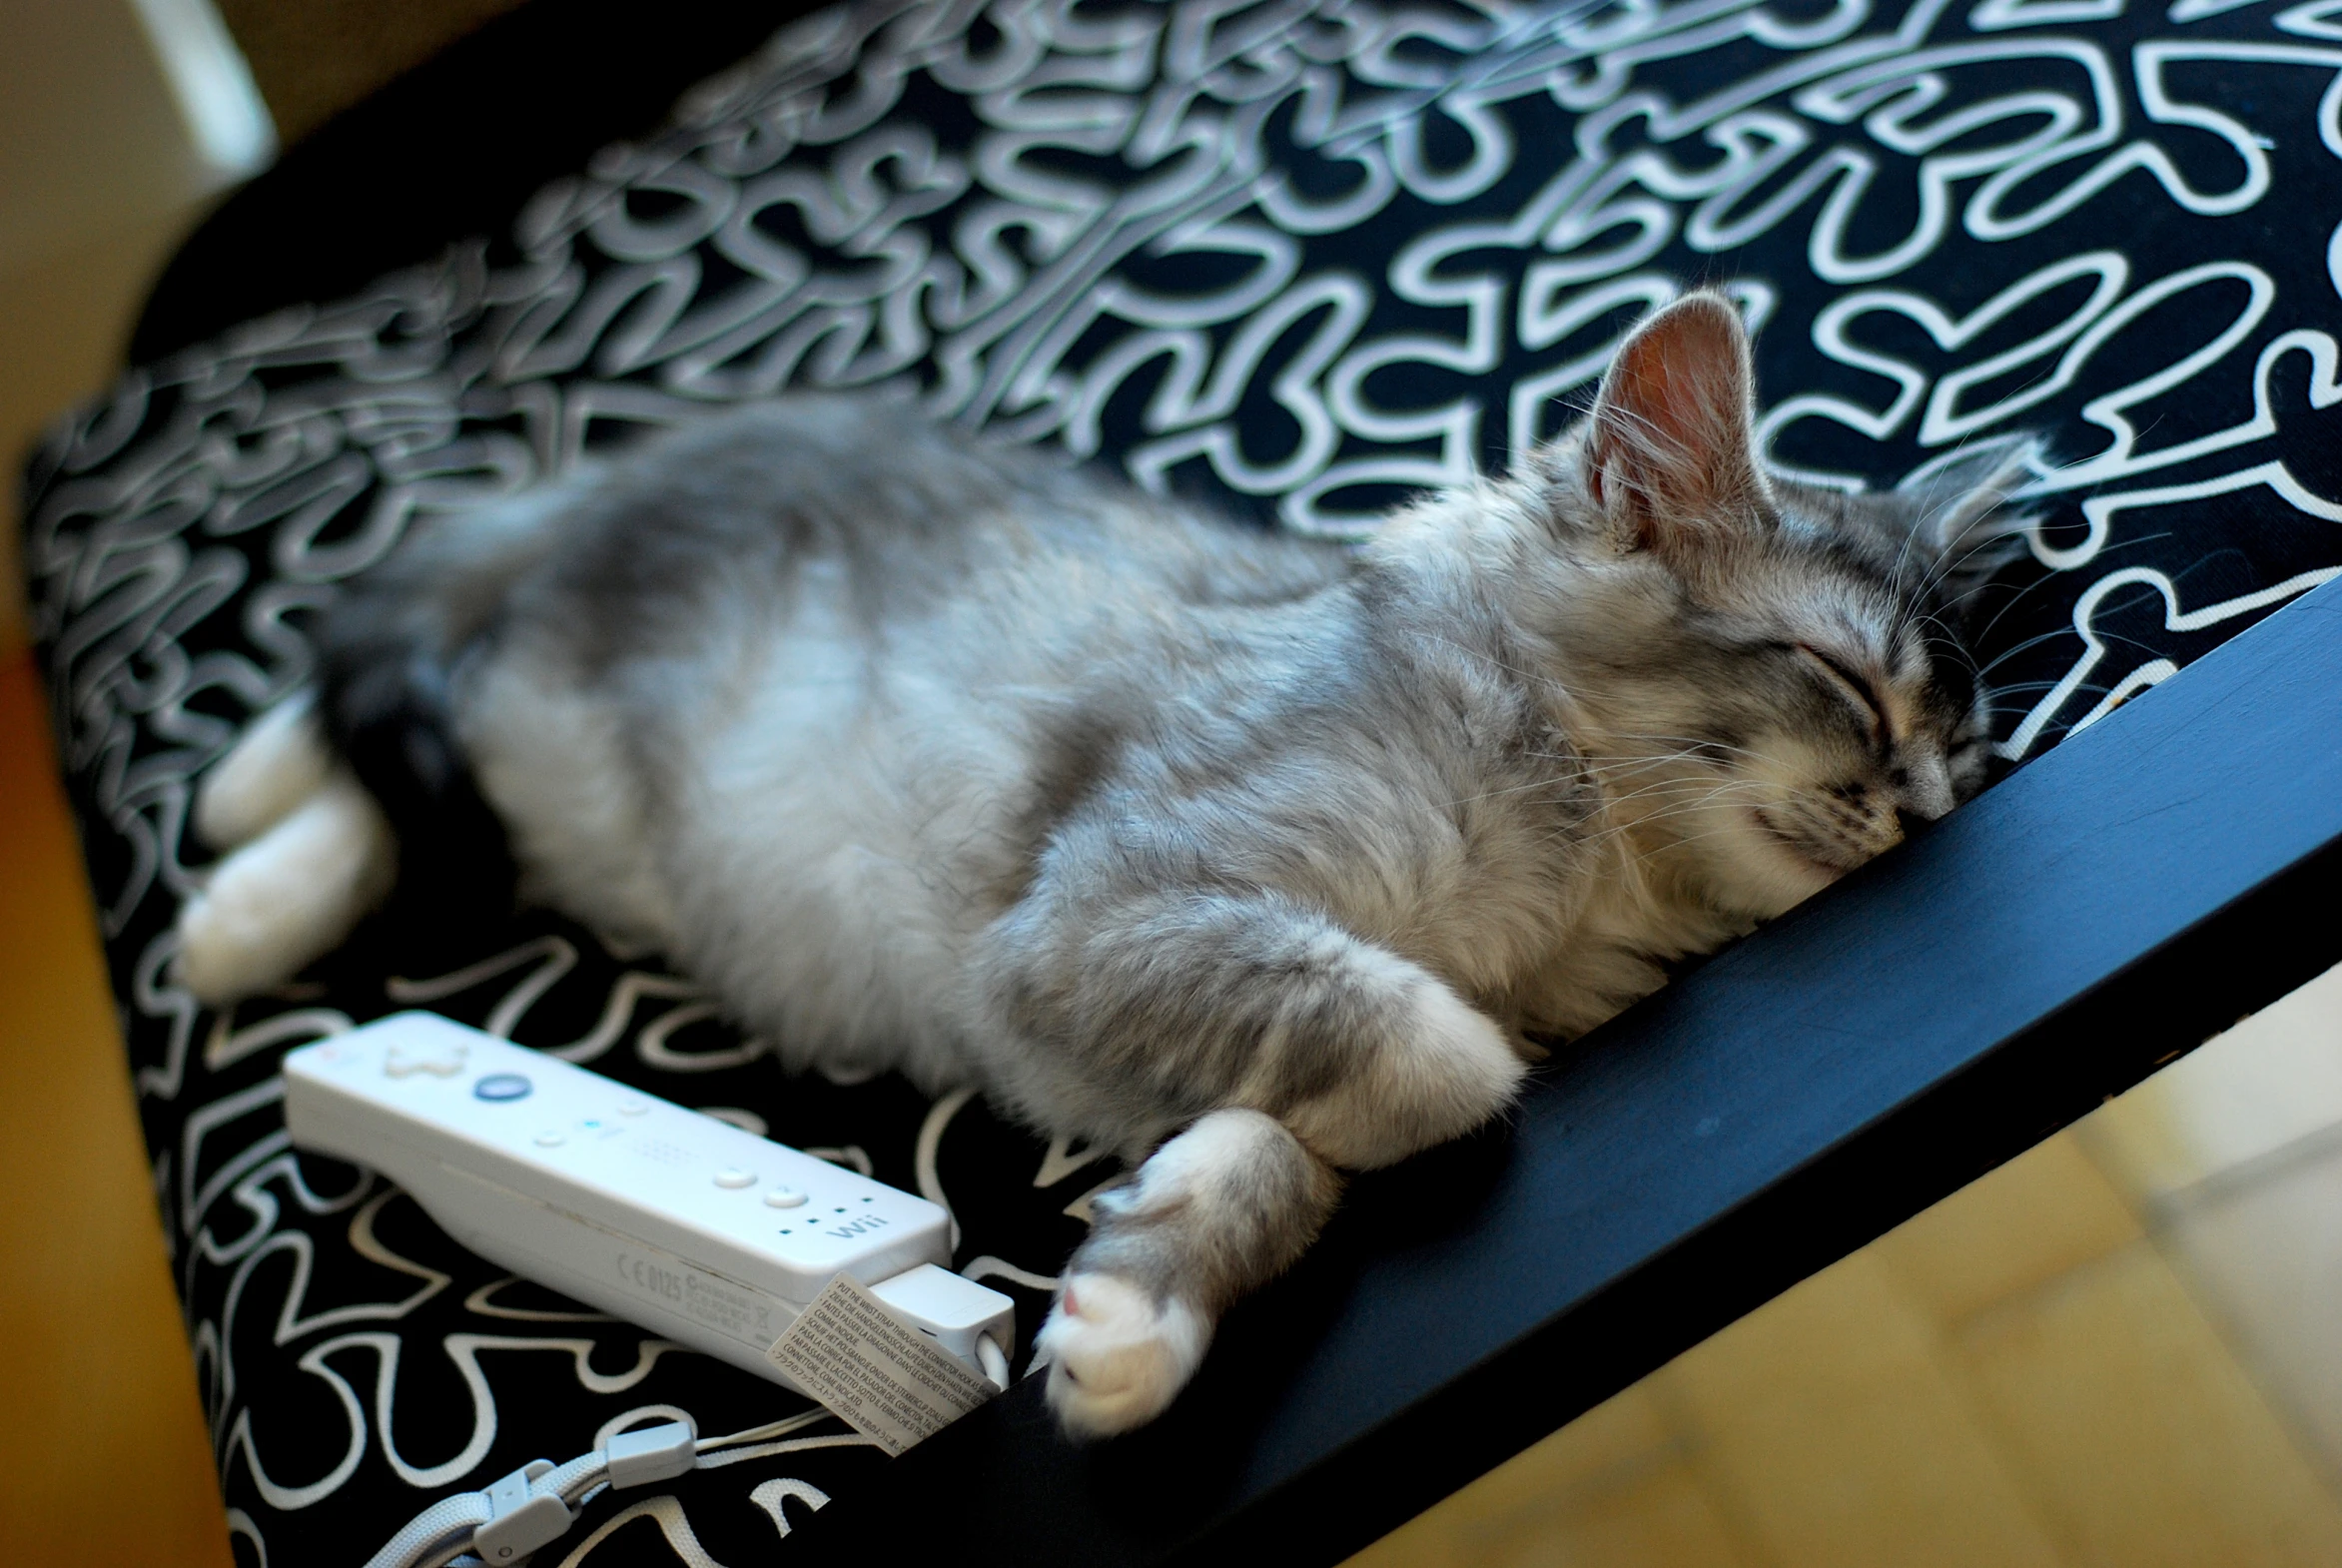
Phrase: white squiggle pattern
x=2156 y=670
x=1303 y=255
x=772 y=1493
x=667 y=1514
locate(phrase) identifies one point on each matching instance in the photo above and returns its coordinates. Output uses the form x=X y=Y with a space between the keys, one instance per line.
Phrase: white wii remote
x=666 y=1218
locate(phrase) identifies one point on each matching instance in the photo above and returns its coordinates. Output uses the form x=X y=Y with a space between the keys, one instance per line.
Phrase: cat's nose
x=1923 y=788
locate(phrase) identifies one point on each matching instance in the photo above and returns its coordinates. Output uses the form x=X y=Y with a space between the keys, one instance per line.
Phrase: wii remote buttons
x=731 y=1179
x=500 y=1087
x=784 y=1198
x=438 y=1058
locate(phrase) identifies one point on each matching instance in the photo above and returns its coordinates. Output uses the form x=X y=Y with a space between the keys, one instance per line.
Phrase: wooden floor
x=103 y=1458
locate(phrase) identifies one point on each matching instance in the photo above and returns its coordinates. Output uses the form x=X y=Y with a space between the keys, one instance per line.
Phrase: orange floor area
x=103 y=1458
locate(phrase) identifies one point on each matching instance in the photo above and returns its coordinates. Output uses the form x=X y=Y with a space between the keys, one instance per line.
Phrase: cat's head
x=1779 y=671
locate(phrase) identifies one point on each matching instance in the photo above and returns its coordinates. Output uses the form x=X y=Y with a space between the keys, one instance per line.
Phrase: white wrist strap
x=536 y=1504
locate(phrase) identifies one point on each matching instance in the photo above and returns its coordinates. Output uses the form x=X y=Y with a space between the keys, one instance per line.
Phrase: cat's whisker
x=1697 y=744
x=1601 y=770
x=1681 y=841
x=1628 y=759
x=2104 y=636
x=2083 y=689
x=1637 y=769
x=1680 y=809
x=2033 y=641
x=1984 y=634
x=1481 y=653
x=1512 y=789
x=1699 y=787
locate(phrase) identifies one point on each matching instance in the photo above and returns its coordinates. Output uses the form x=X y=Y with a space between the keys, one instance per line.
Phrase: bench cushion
x=1300 y=259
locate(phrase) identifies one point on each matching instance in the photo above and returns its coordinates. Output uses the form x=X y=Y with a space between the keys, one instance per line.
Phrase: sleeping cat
x=1255 y=858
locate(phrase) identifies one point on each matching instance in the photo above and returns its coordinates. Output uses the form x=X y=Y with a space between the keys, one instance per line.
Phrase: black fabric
x=446 y=152
x=1300 y=259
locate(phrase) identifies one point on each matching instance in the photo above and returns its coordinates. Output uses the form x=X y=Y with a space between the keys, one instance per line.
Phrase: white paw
x=279 y=762
x=1116 y=1360
x=288 y=898
x=1466 y=1068
x=1440 y=1068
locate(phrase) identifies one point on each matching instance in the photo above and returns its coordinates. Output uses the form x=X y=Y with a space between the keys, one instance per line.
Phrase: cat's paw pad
x=1117 y=1356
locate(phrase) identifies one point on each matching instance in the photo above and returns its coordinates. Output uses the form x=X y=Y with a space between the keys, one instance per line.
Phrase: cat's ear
x=1969 y=524
x=1669 y=448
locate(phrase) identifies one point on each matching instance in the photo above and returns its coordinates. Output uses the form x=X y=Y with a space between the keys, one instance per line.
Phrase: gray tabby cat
x=1254 y=857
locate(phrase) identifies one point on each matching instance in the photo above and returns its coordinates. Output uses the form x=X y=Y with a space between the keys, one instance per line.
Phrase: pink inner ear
x=1674 y=412
x=1683 y=374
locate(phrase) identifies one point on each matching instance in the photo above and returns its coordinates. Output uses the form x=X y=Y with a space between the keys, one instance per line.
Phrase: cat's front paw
x=1117 y=1356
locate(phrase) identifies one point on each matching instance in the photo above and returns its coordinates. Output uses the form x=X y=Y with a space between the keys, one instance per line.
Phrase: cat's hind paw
x=287 y=898
x=279 y=761
x=1117 y=1356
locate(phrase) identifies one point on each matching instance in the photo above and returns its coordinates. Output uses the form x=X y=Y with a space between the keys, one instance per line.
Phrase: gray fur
x=921 y=753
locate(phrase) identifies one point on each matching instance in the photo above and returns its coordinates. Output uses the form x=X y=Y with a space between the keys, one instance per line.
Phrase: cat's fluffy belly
x=1251 y=857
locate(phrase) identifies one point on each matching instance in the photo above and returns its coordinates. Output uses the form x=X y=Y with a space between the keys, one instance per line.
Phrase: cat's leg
x=279 y=762
x=289 y=896
x=1327 y=1051
x=1212 y=1215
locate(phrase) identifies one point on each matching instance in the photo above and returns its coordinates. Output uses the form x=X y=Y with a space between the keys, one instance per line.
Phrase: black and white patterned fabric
x=1301 y=256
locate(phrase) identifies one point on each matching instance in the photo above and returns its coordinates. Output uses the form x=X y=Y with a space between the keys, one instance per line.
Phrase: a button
x=632 y=1107
x=501 y=1086
x=438 y=1058
x=551 y=1140
x=784 y=1198
x=732 y=1178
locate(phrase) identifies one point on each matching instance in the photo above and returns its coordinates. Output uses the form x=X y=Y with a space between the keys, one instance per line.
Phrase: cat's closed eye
x=1848 y=683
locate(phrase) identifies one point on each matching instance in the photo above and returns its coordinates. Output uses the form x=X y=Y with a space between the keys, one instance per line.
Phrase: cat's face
x=1786 y=690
